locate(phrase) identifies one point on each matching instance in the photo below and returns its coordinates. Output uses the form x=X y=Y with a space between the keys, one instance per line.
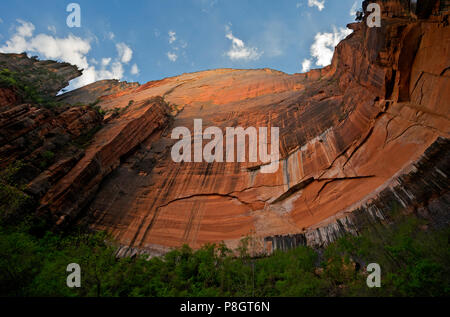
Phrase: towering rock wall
x=40 y=140
x=48 y=77
x=347 y=132
x=355 y=138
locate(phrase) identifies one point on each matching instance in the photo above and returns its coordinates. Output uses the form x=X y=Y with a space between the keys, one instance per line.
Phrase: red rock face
x=91 y=93
x=26 y=130
x=110 y=145
x=7 y=97
x=346 y=133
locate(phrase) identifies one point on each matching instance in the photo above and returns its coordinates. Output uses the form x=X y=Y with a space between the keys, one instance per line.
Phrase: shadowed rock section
x=423 y=189
x=111 y=145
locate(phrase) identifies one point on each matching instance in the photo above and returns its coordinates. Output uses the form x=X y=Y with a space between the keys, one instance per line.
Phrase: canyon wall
x=359 y=139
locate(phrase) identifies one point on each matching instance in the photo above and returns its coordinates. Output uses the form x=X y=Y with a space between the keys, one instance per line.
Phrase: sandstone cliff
x=357 y=138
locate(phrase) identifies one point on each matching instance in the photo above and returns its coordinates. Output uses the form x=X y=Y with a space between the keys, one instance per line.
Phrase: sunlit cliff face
x=347 y=133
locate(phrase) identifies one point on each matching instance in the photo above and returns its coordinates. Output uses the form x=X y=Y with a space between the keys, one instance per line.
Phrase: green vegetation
x=118 y=111
x=414 y=262
x=13 y=199
x=85 y=139
x=94 y=105
x=47 y=159
x=9 y=79
x=26 y=89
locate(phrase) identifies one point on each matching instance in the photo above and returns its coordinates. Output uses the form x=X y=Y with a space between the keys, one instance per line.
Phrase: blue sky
x=147 y=40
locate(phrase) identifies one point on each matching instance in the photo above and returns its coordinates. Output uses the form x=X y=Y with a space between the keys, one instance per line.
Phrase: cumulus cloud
x=135 y=69
x=92 y=74
x=172 y=56
x=176 y=47
x=71 y=49
x=238 y=50
x=125 y=52
x=106 y=61
x=25 y=28
x=18 y=42
x=324 y=43
x=172 y=37
x=320 y=4
x=353 y=9
x=306 y=65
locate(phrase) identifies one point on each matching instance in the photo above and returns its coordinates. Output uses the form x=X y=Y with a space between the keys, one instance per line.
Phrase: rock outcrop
x=422 y=189
x=110 y=146
x=357 y=138
x=48 y=77
x=92 y=93
x=27 y=131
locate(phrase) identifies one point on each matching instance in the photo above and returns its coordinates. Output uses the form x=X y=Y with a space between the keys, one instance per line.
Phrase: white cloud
x=134 y=69
x=106 y=61
x=306 y=65
x=172 y=37
x=111 y=35
x=353 y=9
x=238 y=50
x=172 y=56
x=18 y=42
x=125 y=52
x=71 y=49
x=1 y=21
x=115 y=72
x=324 y=43
x=320 y=4
x=26 y=29
x=177 y=47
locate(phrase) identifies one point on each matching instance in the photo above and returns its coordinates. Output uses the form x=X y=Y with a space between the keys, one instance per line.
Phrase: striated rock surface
x=40 y=140
x=357 y=138
x=27 y=131
x=347 y=132
x=91 y=93
x=112 y=144
x=422 y=188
